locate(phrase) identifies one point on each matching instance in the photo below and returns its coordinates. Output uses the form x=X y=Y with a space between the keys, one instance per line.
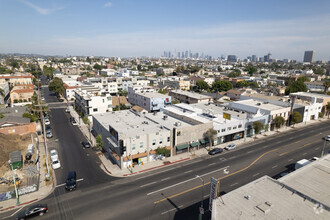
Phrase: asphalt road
x=175 y=193
x=172 y=192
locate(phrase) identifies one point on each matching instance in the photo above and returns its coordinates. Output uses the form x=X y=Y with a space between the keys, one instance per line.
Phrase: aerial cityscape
x=164 y=109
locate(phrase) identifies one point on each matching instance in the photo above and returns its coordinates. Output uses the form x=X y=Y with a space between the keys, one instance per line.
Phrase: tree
x=318 y=70
x=99 y=142
x=221 y=85
x=122 y=92
x=303 y=79
x=163 y=151
x=98 y=67
x=251 y=69
x=202 y=85
x=219 y=69
x=328 y=109
x=279 y=122
x=48 y=71
x=234 y=74
x=326 y=85
x=56 y=85
x=257 y=126
x=211 y=135
x=296 y=118
x=162 y=91
x=297 y=86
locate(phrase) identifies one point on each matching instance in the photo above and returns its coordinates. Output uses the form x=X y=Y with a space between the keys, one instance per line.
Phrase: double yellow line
x=239 y=171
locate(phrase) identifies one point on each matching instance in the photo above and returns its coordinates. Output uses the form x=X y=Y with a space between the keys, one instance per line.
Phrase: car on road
x=67 y=110
x=56 y=164
x=47 y=121
x=32 y=211
x=73 y=121
x=86 y=144
x=327 y=138
x=42 y=98
x=53 y=155
x=49 y=133
x=215 y=151
x=230 y=147
x=71 y=181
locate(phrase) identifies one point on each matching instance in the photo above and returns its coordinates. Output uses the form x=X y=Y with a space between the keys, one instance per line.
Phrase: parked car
x=73 y=121
x=61 y=100
x=215 y=151
x=47 y=121
x=39 y=209
x=53 y=155
x=49 y=133
x=86 y=144
x=56 y=164
x=327 y=138
x=230 y=147
x=42 y=98
x=67 y=110
x=71 y=181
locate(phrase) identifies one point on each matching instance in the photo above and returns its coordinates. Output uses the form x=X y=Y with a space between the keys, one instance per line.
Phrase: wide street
x=172 y=192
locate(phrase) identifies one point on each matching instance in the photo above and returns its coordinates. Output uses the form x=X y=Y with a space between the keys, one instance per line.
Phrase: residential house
x=16 y=79
x=21 y=94
x=189 y=97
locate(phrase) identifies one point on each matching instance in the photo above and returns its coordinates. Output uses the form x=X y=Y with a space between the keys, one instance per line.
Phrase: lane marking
x=197 y=187
x=256 y=174
x=211 y=164
x=305 y=145
x=250 y=151
x=15 y=211
x=141 y=177
x=234 y=184
x=165 y=179
x=172 y=210
x=63 y=184
x=188 y=171
x=236 y=172
x=290 y=160
x=184 y=181
x=274 y=166
x=148 y=184
x=304 y=154
x=317 y=148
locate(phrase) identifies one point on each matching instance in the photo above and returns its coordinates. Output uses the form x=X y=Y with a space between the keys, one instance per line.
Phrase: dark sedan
x=215 y=151
x=86 y=144
x=32 y=211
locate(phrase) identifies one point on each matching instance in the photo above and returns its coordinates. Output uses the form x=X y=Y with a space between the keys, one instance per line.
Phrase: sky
x=128 y=28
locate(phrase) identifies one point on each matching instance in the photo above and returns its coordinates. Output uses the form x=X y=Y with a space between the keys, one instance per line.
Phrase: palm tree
x=328 y=109
x=2 y=92
x=326 y=85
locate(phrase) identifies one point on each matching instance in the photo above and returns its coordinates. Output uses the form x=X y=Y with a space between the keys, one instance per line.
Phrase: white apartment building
x=90 y=100
x=147 y=98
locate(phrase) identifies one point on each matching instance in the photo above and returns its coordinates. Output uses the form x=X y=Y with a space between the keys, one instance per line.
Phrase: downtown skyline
x=129 y=28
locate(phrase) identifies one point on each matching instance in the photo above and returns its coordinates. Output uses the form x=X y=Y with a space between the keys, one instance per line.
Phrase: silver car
x=230 y=147
x=49 y=134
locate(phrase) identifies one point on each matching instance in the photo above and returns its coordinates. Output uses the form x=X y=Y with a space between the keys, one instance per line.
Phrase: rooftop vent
x=165 y=117
x=266 y=102
x=258 y=103
x=247 y=197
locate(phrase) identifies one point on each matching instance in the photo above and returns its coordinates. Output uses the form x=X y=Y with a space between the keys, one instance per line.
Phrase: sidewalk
x=45 y=187
x=114 y=170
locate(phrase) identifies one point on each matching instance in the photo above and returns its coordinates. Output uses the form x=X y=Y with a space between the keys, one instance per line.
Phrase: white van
x=301 y=163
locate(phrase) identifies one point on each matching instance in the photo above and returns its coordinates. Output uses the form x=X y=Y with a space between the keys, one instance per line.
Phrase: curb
x=24 y=203
x=157 y=167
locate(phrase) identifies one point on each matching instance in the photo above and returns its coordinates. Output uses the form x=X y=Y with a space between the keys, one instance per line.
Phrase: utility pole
x=44 y=129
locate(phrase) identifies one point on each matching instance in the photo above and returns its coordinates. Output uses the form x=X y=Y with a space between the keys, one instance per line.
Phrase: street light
x=11 y=167
x=200 y=211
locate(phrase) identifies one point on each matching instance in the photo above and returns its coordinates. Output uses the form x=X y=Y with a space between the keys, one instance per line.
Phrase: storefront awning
x=182 y=146
x=195 y=144
x=204 y=141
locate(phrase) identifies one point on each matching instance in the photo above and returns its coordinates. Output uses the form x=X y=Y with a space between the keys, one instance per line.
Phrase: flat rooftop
x=129 y=124
x=153 y=95
x=253 y=104
x=316 y=95
x=295 y=196
x=191 y=94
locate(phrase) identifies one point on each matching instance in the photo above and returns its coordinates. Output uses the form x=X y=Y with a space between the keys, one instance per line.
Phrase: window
x=154 y=142
x=218 y=131
x=161 y=141
x=109 y=98
x=168 y=139
x=109 y=106
x=141 y=144
x=94 y=109
x=306 y=110
x=239 y=126
x=223 y=130
x=133 y=146
x=234 y=128
x=229 y=128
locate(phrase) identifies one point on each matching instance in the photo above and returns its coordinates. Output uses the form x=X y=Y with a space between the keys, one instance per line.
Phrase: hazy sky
x=285 y=28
